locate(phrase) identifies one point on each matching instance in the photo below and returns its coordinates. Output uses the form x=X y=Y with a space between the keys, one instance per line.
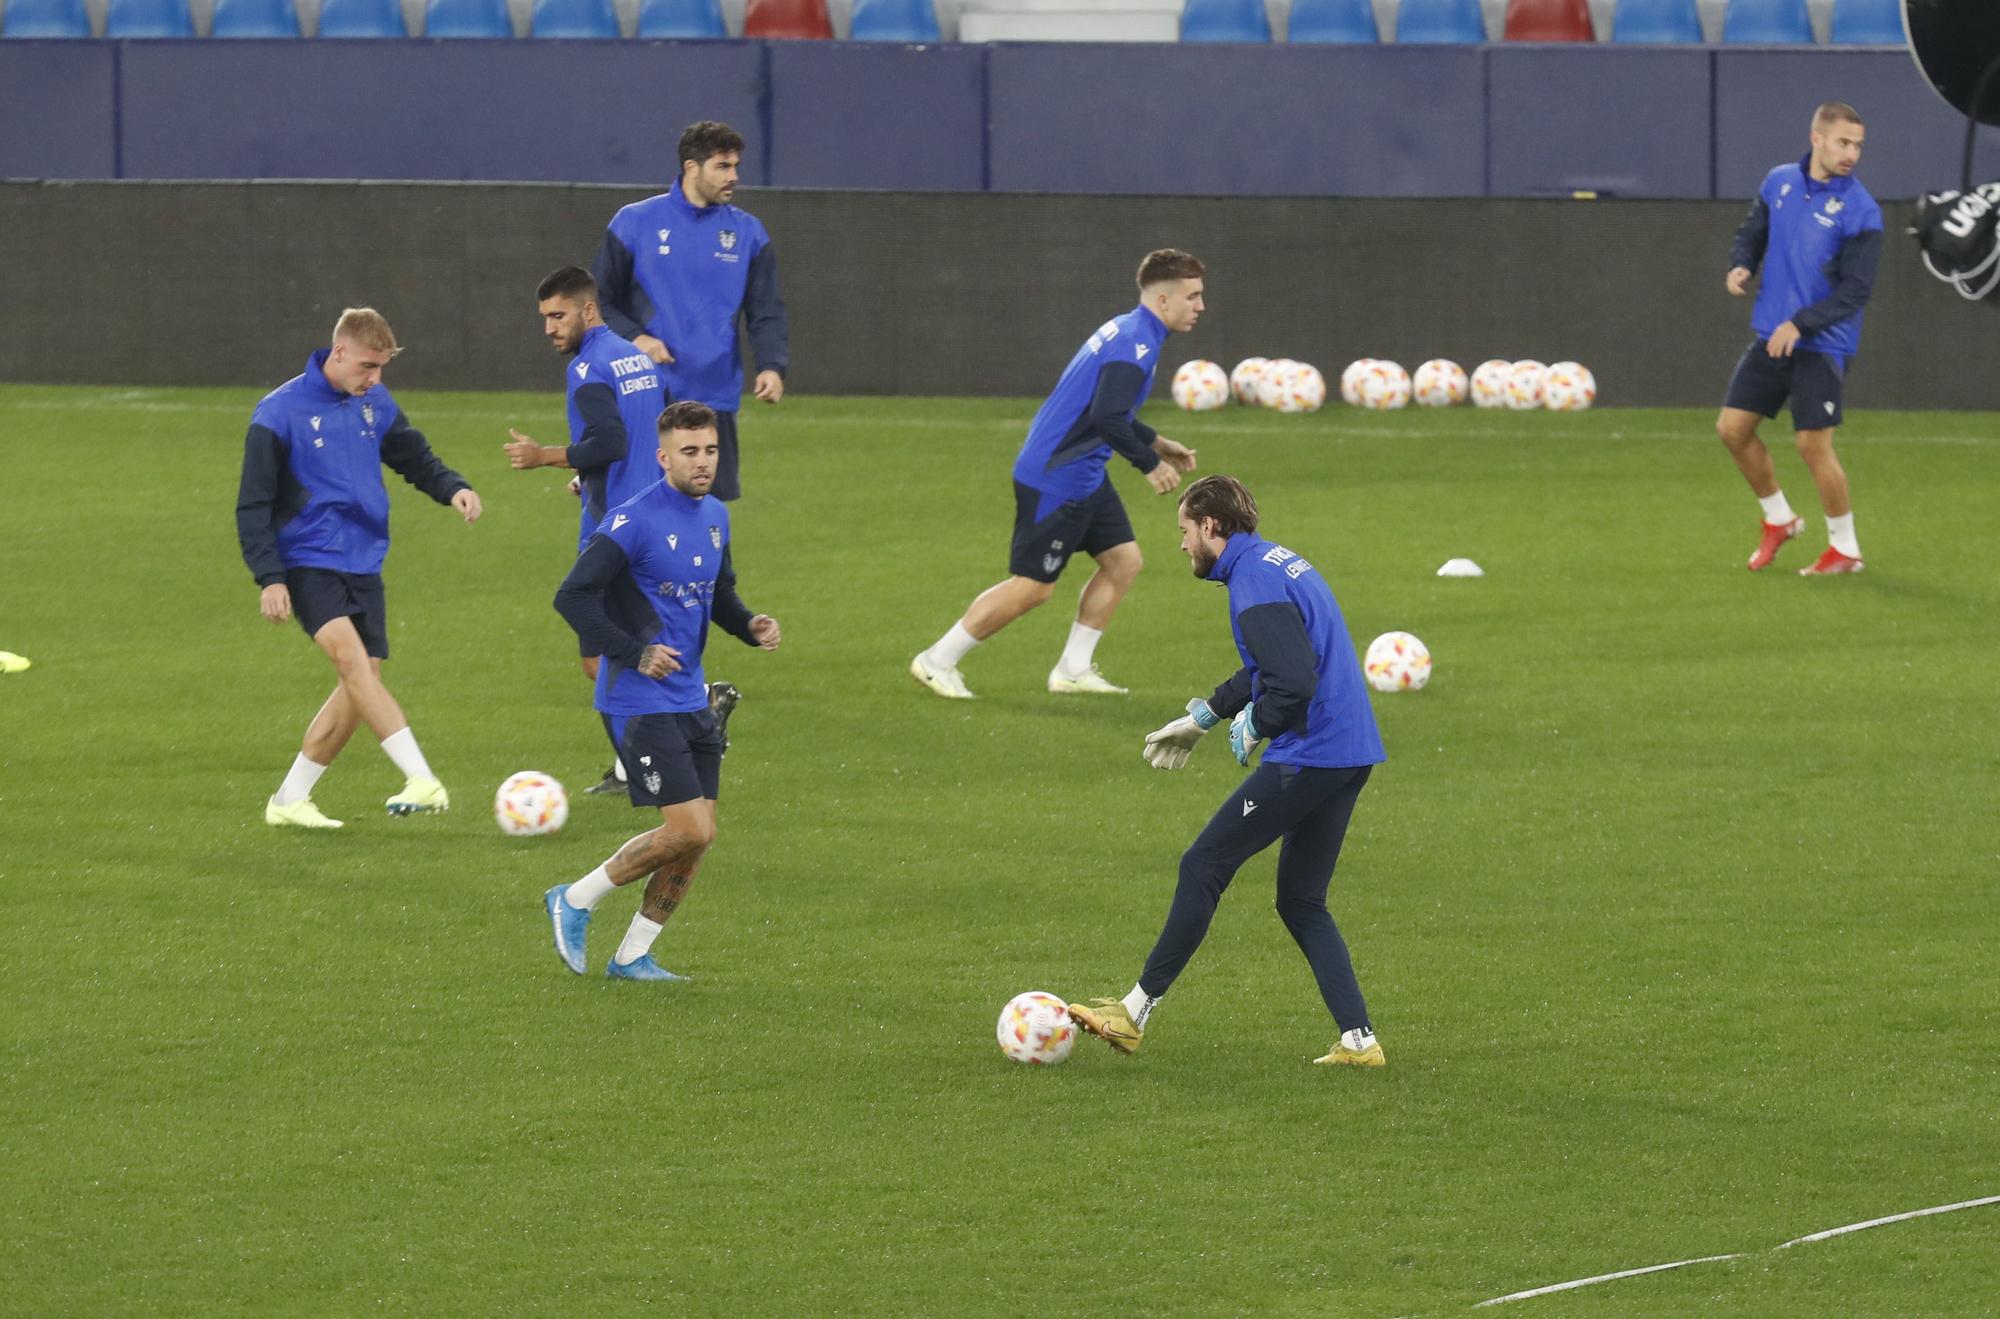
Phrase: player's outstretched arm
x=1167 y=747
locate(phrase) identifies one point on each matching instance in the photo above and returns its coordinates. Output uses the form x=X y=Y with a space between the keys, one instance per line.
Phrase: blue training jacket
x=1820 y=242
x=615 y=400
x=1093 y=410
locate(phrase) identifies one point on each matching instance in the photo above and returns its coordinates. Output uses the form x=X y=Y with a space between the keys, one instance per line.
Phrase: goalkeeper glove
x=1243 y=735
x=1168 y=747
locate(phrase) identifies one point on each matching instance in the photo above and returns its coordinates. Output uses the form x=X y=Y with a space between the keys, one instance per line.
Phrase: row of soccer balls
x=1289 y=386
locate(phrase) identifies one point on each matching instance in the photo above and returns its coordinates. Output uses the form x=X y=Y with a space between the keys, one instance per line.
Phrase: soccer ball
x=1384 y=386
x=1397 y=662
x=1243 y=380
x=529 y=804
x=1526 y=384
x=1569 y=387
x=1489 y=383
x=1303 y=389
x=1439 y=383
x=1271 y=384
x=1035 y=1028
x=1200 y=386
x=1350 y=381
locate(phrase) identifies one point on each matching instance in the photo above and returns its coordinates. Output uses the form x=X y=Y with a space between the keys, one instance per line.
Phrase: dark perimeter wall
x=949 y=294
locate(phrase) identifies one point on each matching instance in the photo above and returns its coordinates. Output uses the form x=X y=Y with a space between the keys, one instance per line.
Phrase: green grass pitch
x=1675 y=902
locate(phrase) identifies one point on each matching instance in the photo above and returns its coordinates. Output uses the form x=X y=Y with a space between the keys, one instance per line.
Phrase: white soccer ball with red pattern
x=1384 y=387
x=1271 y=384
x=1569 y=387
x=530 y=804
x=1200 y=386
x=1489 y=383
x=1303 y=389
x=1397 y=662
x=1036 y=1028
x=1439 y=383
x=1350 y=381
x=1243 y=380
x=1525 y=385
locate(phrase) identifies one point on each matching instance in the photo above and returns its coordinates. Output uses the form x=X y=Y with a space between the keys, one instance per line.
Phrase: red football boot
x=1775 y=535
x=1831 y=563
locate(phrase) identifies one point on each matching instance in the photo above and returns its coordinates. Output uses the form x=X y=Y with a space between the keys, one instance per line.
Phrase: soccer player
x=312 y=515
x=1301 y=689
x=642 y=594
x=1063 y=499
x=1818 y=235
x=677 y=270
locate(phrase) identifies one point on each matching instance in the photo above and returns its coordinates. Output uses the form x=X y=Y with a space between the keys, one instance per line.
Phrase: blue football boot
x=570 y=924
x=642 y=967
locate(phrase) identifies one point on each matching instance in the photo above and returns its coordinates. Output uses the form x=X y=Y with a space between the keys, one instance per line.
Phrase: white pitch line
x=1602 y=1277
x=1892 y=1218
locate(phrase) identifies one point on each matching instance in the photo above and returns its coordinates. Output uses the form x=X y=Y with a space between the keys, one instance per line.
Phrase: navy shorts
x=320 y=595
x=728 y=465
x=1813 y=381
x=1047 y=530
x=669 y=758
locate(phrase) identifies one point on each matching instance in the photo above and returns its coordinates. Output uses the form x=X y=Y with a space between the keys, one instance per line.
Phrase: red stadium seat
x=1549 y=20
x=800 y=19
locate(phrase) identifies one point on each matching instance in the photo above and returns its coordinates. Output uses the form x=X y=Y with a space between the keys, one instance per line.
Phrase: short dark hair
x=686 y=415
x=1223 y=498
x=708 y=139
x=1835 y=112
x=572 y=282
x=1169 y=263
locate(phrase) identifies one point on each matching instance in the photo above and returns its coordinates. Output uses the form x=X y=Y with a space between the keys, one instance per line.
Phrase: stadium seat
x=255 y=18
x=1548 y=20
x=1867 y=23
x=1225 y=20
x=798 y=20
x=701 y=19
x=1334 y=21
x=45 y=18
x=1767 y=22
x=1657 y=22
x=362 y=18
x=148 y=18
x=467 y=18
x=574 y=18
x=895 y=20
x=1439 y=22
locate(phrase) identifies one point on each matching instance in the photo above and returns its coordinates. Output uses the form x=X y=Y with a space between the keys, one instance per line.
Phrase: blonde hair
x=368 y=328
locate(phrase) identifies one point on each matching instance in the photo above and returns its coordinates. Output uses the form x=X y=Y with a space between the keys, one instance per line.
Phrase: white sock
x=1776 y=511
x=587 y=892
x=298 y=784
x=638 y=938
x=1840 y=531
x=1357 y=1039
x=1077 y=651
x=953 y=646
x=401 y=747
x=618 y=768
x=1140 y=1006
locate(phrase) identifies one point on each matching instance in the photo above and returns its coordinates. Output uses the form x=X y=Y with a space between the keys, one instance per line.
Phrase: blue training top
x=1819 y=252
x=615 y=400
x=1068 y=445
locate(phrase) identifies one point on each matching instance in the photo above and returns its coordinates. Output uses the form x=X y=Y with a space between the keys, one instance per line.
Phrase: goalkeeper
x=1300 y=689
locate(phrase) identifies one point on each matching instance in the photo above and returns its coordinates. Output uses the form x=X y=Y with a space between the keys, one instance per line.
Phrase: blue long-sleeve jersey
x=682 y=273
x=1819 y=242
x=311 y=494
x=1093 y=410
x=1299 y=666
x=616 y=396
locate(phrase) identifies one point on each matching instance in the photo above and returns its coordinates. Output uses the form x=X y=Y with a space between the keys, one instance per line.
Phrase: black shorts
x=1045 y=537
x=728 y=466
x=320 y=595
x=1815 y=383
x=669 y=758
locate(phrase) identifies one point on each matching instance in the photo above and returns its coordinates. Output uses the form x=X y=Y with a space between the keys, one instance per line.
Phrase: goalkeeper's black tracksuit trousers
x=1308 y=808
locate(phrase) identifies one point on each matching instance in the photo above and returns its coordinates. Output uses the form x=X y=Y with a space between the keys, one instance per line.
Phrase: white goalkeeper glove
x=1168 y=747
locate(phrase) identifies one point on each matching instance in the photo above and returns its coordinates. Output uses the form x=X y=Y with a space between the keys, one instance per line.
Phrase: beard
x=1203 y=563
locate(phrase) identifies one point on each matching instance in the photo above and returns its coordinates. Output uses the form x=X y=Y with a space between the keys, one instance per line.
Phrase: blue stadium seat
x=1867 y=23
x=1332 y=21
x=467 y=18
x=681 y=18
x=362 y=18
x=148 y=18
x=895 y=20
x=1225 y=20
x=46 y=18
x=1659 y=22
x=1767 y=22
x=255 y=18
x=574 y=18
x=1439 y=22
